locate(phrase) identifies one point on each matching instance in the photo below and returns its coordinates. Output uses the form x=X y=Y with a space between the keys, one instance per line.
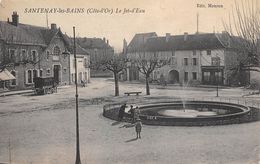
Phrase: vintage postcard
x=119 y=81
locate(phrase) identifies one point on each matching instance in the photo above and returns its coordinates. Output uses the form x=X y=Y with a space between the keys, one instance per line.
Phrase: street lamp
x=77 y=110
x=218 y=72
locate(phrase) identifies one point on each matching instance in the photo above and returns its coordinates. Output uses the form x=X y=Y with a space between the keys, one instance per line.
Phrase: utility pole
x=218 y=63
x=77 y=102
x=10 y=154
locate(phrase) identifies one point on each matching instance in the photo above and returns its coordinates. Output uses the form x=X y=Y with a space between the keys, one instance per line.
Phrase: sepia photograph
x=129 y=82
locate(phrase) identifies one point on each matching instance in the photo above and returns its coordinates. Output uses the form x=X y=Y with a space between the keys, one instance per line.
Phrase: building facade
x=98 y=49
x=83 y=69
x=33 y=51
x=193 y=59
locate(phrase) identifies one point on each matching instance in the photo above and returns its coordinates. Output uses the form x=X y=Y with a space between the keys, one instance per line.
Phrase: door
x=56 y=73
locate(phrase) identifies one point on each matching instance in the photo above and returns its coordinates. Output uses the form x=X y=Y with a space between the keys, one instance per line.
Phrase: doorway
x=56 y=73
x=173 y=77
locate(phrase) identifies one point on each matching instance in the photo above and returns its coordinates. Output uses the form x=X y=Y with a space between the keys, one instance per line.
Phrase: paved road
x=42 y=130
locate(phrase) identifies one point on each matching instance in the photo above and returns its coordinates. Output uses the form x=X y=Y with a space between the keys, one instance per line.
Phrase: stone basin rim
x=244 y=109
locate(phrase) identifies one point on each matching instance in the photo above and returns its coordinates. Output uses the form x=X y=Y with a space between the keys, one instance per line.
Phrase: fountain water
x=183 y=95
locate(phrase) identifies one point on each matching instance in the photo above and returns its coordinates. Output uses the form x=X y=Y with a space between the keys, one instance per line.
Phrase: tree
x=116 y=64
x=244 y=28
x=146 y=64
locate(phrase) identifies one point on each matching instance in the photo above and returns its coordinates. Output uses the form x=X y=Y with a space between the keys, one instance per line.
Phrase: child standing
x=138 y=128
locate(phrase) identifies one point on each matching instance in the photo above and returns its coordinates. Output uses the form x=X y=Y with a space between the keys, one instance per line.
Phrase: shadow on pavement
x=131 y=140
x=127 y=126
x=115 y=123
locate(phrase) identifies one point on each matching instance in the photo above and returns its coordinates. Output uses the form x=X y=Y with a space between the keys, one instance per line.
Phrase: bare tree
x=147 y=64
x=244 y=28
x=116 y=64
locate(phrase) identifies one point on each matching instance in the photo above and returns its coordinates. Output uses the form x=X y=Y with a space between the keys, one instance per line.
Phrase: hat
x=138 y=119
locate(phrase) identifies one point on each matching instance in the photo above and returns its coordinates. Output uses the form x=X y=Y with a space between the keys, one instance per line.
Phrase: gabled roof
x=139 y=40
x=26 y=34
x=91 y=43
x=79 y=50
x=178 y=42
x=35 y=35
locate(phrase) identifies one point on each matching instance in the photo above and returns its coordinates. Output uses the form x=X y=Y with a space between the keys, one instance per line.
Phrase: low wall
x=246 y=115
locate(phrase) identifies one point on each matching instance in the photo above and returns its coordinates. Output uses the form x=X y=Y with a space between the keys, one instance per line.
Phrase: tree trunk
x=116 y=84
x=147 y=85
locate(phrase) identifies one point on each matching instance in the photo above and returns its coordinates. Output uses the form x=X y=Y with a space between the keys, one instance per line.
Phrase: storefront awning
x=6 y=75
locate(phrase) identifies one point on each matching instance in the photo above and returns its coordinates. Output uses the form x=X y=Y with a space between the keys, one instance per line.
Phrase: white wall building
x=83 y=69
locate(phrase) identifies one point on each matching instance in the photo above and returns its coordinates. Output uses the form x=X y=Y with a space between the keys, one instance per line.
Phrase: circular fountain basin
x=195 y=113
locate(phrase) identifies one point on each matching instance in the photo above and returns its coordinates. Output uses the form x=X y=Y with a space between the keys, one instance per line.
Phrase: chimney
x=185 y=36
x=107 y=42
x=104 y=39
x=167 y=37
x=124 y=47
x=15 y=18
x=53 y=26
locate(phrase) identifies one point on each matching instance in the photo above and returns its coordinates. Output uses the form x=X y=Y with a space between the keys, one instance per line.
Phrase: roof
x=70 y=44
x=6 y=75
x=90 y=43
x=139 y=40
x=178 y=42
x=26 y=34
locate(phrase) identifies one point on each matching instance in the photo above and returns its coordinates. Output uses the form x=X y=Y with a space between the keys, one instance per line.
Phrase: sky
x=160 y=16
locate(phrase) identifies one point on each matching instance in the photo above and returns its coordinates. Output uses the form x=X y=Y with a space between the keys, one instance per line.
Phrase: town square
x=134 y=82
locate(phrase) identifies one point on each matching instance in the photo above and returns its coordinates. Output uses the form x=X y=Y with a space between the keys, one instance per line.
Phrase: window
x=47 y=55
x=72 y=77
x=48 y=71
x=208 y=52
x=86 y=62
x=41 y=73
x=29 y=76
x=185 y=61
x=215 y=61
x=34 y=56
x=194 y=61
x=194 y=75
x=24 y=56
x=186 y=74
x=56 y=53
x=13 y=82
x=12 y=54
x=65 y=70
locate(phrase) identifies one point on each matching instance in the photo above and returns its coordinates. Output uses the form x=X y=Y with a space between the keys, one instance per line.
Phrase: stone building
x=136 y=46
x=33 y=51
x=193 y=58
x=97 y=48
